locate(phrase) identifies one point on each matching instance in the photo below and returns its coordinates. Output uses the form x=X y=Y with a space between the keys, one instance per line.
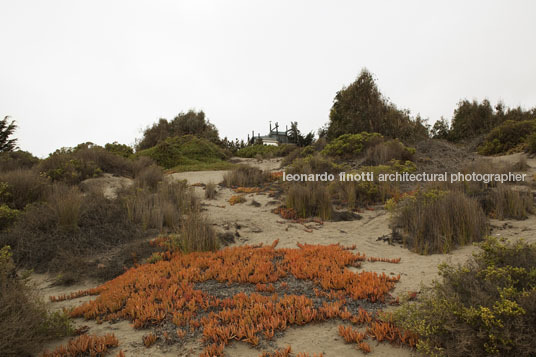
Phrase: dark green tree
x=361 y=107
x=472 y=119
x=6 y=130
x=295 y=136
x=441 y=129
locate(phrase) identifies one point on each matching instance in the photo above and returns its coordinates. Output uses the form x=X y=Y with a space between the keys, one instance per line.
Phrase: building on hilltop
x=275 y=137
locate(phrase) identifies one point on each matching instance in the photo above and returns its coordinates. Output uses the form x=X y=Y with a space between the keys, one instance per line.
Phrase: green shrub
x=265 y=151
x=531 y=143
x=309 y=199
x=8 y=216
x=298 y=153
x=484 y=308
x=351 y=145
x=314 y=164
x=437 y=221
x=507 y=136
x=62 y=165
x=119 y=149
x=185 y=150
x=190 y=123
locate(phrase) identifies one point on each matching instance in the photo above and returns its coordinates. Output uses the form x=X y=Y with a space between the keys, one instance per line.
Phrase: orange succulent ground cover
x=236 y=199
x=246 y=293
x=85 y=345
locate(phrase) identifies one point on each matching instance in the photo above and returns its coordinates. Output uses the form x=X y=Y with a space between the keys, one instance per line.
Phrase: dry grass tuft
x=245 y=176
x=210 y=191
x=311 y=199
x=438 y=221
x=511 y=203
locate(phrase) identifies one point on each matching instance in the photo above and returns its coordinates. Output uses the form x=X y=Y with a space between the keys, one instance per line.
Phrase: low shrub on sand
x=483 y=308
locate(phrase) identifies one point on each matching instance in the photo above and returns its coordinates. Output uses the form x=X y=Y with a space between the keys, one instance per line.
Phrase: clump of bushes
x=24 y=320
x=190 y=123
x=351 y=145
x=314 y=164
x=15 y=160
x=123 y=150
x=311 y=199
x=484 y=308
x=184 y=150
x=265 y=151
x=508 y=136
x=73 y=165
x=299 y=152
x=245 y=176
x=436 y=221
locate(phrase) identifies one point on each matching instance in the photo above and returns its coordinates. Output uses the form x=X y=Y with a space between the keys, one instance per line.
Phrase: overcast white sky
x=75 y=71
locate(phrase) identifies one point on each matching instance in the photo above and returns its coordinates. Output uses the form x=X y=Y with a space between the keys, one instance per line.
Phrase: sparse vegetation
x=483 y=308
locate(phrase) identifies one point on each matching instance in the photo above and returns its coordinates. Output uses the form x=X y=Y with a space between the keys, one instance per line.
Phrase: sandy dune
x=259 y=225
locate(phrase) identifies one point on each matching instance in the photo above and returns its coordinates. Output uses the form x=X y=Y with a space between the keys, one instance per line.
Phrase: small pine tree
x=6 y=130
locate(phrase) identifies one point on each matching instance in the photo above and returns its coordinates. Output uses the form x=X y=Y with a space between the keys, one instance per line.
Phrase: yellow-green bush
x=351 y=145
x=508 y=136
x=486 y=307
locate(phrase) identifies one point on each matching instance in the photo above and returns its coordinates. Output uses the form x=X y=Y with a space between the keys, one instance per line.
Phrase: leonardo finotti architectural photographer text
x=408 y=177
